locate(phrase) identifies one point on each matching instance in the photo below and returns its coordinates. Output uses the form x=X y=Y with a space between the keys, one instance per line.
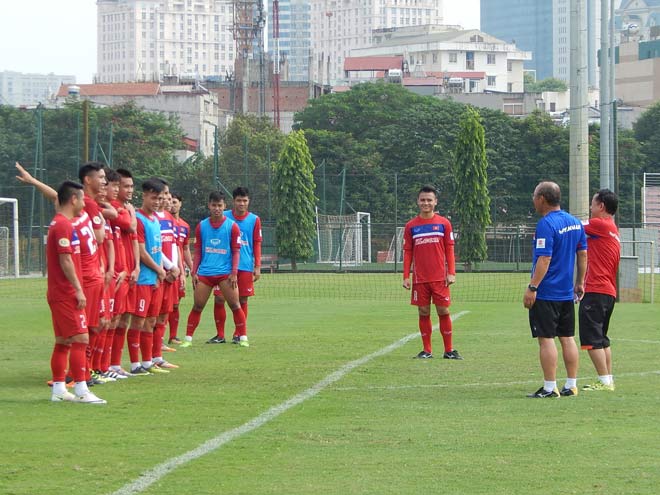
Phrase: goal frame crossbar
x=14 y=203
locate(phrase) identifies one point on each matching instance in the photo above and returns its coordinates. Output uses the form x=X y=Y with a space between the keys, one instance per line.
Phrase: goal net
x=395 y=251
x=344 y=240
x=9 y=265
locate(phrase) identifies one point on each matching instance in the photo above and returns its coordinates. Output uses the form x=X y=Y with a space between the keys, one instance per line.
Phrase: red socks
x=118 y=346
x=446 y=331
x=59 y=360
x=425 y=329
x=159 y=333
x=220 y=316
x=107 y=349
x=174 y=322
x=193 y=322
x=244 y=307
x=97 y=350
x=239 y=322
x=133 y=338
x=77 y=362
x=146 y=345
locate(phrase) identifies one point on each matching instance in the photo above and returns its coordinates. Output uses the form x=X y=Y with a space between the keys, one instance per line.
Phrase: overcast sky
x=60 y=35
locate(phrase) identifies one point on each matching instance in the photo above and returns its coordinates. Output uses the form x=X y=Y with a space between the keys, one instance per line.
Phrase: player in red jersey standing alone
x=428 y=246
x=67 y=300
x=597 y=304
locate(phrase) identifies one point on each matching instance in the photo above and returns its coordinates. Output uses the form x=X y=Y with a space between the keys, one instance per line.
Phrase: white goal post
x=344 y=239
x=7 y=239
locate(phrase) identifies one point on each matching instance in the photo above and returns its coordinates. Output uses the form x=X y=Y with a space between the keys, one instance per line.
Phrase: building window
x=453 y=57
x=492 y=81
x=490 y=59
x=509 y=65
x=509 y=87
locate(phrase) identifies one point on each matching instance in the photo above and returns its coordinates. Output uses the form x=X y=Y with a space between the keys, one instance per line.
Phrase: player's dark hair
x=550 y=191
x=240 y=191
x=67 y=190
x=153 y=185
x=177 y=196
x=112 y=175
x=88 y=169
x=609 y=199
x=428 y=189
x=126 y=174
x=216 y=196
x=161 y=180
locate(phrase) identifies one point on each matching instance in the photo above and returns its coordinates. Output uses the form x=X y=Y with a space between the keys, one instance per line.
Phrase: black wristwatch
x=532 y=288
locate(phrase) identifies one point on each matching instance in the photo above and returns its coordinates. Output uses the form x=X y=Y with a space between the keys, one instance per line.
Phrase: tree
x=472 y=202
x=294 y=200
x=549 y=84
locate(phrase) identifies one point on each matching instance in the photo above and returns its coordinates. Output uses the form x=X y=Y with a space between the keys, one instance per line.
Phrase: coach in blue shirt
x=558 y=241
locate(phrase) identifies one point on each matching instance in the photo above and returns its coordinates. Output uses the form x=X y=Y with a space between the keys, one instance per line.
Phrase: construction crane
x=276 y=63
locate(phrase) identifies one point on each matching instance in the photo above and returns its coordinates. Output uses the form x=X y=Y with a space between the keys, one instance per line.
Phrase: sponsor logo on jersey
x=64 y=242
x=540 y=243
x=96 y=220
x=215 y=242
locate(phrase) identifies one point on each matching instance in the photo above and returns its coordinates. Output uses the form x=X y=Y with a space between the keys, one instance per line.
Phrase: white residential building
x=142 y=40
x=337 y=26
x=18 y=88
x=481 y=62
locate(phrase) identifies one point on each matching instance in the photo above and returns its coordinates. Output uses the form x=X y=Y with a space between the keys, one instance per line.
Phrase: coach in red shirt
x=600 y=286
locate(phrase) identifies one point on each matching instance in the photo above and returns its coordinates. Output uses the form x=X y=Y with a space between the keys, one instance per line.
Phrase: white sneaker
x=65 y=397
x=89 y=398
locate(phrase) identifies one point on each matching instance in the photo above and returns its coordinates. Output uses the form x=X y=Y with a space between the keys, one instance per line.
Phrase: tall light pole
x=605 y=98
x=579 y=126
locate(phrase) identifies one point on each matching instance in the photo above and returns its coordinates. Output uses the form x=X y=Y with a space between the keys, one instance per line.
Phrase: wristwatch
x=532 y=288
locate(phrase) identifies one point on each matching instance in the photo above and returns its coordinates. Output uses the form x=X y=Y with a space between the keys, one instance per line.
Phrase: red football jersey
x=604 y=255
x=182 y=230
x=431 y=242
x=89 y=249
x=167 y=233
x=62 y=239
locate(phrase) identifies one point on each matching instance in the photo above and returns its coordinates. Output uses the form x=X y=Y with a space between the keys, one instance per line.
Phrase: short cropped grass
x=392 y=426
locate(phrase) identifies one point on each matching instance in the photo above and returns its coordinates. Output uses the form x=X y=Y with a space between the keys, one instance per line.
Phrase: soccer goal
x=9 y=256
x=395 y=251
x=344 y=240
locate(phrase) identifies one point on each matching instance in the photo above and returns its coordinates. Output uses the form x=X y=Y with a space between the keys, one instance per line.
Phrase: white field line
x=148 y=478
x=479 y=384
x=637 y=341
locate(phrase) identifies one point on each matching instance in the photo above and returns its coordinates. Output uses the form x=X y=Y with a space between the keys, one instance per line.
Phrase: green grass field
x=392 y=425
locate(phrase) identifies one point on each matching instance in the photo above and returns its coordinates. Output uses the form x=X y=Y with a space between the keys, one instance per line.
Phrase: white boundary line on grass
x=156 y=473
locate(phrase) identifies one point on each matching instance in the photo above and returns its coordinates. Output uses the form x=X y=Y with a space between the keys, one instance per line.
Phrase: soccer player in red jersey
x=127 y=223
x=170 y=254
x=428 y=246
x=597 y=305
x=90 y=227
x=67 y=300
x=217 y=253
x=182 y=230
x=249 y=267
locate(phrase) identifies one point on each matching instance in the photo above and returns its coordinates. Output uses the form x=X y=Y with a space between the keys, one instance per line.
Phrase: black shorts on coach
x=550 y=319
x=594 y=316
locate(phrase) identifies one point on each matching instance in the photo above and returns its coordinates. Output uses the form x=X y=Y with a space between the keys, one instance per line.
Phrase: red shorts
x=130 y=298
x=120 y=299
x=212 y=280
x=425 y=293
x=245 y=285
x=93 y=294
x=168 y=297
x=68 y=320
x=148 y=299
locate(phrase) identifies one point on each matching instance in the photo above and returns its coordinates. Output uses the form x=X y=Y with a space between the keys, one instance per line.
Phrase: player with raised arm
x=67 y=300
x=428 y=246
x=249 y=267
x=217 y=253
x=182 y=229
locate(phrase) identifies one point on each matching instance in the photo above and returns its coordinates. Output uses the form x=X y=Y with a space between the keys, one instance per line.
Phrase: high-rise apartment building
x=543 y=28
x=18 y=88
x=143 y=40
x=337 y=26
x=294 y=37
